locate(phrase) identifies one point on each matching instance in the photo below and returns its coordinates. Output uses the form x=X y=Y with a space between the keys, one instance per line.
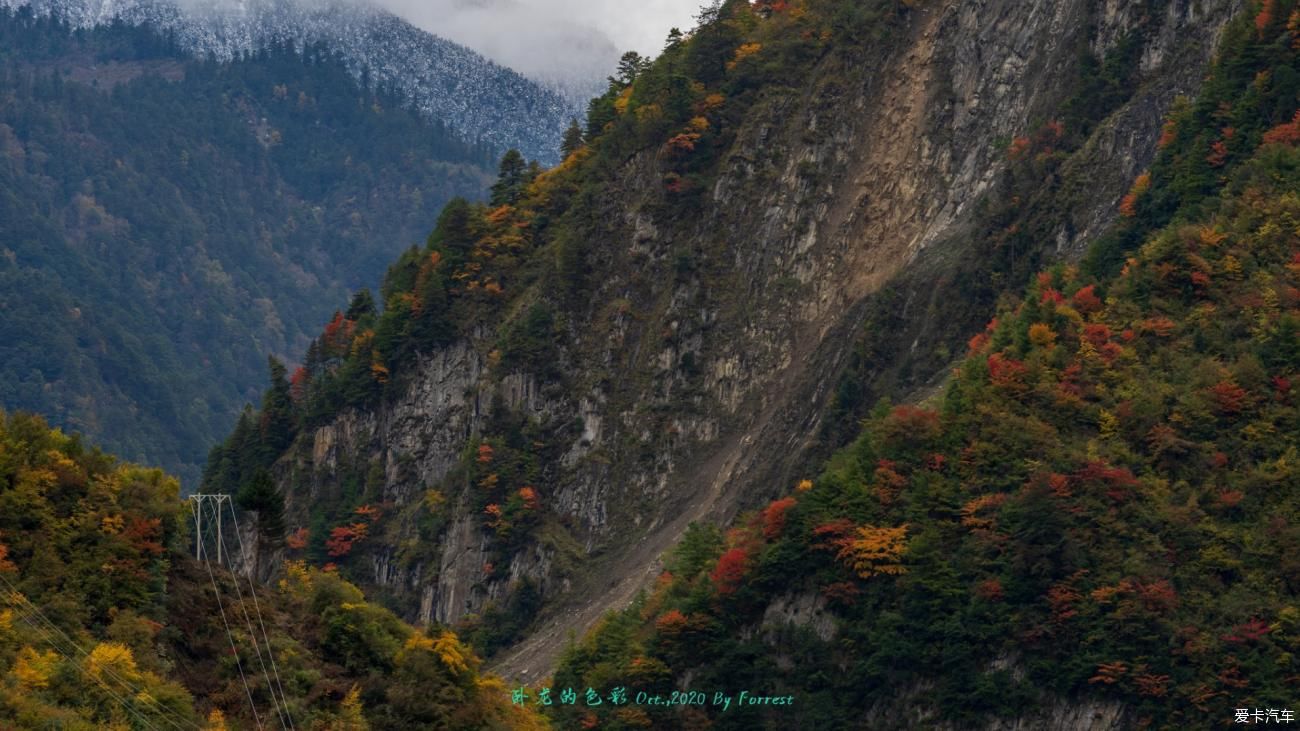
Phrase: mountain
x=108 y=621
x=167 y=223
x=562 y=51
x=483 y=101
x=797 y=210
x=862 y=364
x=1096 y=523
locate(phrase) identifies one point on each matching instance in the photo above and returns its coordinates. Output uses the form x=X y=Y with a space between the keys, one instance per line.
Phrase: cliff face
x=702 y=361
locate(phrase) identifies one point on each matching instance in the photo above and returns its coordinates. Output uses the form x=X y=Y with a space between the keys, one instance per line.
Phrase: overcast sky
x=554 y=39
x=639 y=25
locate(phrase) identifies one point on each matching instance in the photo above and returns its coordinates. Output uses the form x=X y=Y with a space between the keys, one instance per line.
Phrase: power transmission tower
x=197 y=504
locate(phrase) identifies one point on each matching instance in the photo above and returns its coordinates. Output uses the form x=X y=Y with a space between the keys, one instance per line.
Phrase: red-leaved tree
x=730 y=571
x=774 y=517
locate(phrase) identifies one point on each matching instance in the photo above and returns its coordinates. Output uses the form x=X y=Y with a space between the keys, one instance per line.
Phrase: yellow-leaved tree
x=216 y=721
x=351 y=717
x=113 y=659
x=452 y=654
x=874 y=551
x=33 y=669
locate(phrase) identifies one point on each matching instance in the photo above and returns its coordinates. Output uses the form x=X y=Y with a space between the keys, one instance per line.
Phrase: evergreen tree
x=260 y=496
x=362 y=305
x=674 y=39
x=276 y=423
x=572 y=139
x=313 y=357
x=455 y=232
x=511 y=179
x=630 y=66
x=600 y=112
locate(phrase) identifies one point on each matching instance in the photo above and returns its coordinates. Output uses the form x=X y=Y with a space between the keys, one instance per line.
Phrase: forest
x=107 y=620
x=168 y=223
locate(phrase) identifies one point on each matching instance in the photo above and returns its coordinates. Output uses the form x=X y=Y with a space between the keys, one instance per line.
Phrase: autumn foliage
x=730 y=571
x=774 y=517
x=1006 y=372
x=874 y=551
x=907 y=424
x=1085 y=300
x=529 y=496
x=1284 y=134
x=1128 y=205
x=344 y=537
x=298 y=539
x=671 y=624
x=1228 y=397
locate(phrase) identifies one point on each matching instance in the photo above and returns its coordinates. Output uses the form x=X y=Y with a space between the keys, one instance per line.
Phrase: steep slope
x=482 y=101
x=166 y=224
x=106 y=621
x=1094 y=527
x=652 y=332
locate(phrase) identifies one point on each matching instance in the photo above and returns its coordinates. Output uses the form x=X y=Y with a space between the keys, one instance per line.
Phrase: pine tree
x=362 y=305
x=630 y=66
x=276 y=422
x=511 y=179
x=260 y=495
x=600 y=112
x=674 y=39
x=572 y=139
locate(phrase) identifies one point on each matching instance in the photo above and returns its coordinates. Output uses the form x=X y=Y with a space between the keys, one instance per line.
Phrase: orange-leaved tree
x=875 y=551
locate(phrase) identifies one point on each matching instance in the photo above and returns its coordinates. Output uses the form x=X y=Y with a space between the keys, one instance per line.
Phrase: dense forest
x=108 y=621
x=168 y=223
x=445 y=80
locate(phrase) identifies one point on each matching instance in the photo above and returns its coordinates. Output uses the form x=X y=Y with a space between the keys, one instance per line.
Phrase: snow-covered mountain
x=549 y=41
x=481 y=99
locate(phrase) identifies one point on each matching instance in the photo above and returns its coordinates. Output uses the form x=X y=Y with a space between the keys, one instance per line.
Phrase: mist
x=570 y=43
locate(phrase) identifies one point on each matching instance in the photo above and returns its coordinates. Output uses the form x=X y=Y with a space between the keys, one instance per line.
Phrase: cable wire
x=221 y=606
x=248 y=622
x=18 y=600
x=258 y=609
x=98 y=681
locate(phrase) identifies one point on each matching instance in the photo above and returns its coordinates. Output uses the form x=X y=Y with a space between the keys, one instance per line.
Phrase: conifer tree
x=276 y=423
x=674 y=39
x=572 y=139
x=511 y=178
x=362 y=305
x=630 y=66
x=260 y=495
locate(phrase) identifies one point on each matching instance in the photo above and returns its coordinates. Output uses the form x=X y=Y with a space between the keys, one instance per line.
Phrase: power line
x=248 y=622
x=17 y=597
x=257 y=608
x=198 y=508
x=98 y=681
x=34 y=613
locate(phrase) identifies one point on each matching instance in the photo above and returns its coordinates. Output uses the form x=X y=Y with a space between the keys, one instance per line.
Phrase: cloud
x=566 y=41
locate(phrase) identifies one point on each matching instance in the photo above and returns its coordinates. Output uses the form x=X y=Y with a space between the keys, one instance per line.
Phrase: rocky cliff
x=864 y=218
